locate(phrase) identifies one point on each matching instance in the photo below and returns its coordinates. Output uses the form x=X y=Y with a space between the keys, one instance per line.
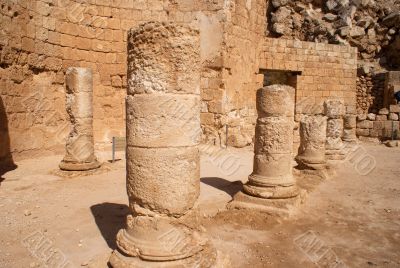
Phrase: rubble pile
x=370 y=25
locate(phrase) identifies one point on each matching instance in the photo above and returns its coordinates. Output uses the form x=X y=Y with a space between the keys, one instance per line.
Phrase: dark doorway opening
x=282 y=77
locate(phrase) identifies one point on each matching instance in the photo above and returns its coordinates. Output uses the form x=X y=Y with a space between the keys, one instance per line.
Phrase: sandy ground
x=350 y=220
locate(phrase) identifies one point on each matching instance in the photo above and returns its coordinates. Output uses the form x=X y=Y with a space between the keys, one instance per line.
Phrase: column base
x=335 y=155
x=349 y=135
x=311 y=166
x=305 y=163
x=323 y=174
x=335 y=158
x=206 y=258
x=161 y=242
x=273 y=192
x=350 y=140
x=74 y=166
x=276 y=207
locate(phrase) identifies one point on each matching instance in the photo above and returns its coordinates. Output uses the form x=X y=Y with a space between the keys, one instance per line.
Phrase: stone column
x=272 y=180
x=272 y=171
x=312 y=142
x=350 y=127
x=334 y=110
x=163 y=161
x=79 y=97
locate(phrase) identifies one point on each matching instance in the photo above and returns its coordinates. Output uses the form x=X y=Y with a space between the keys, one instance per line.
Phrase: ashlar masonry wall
x=324 y=71
x=229 y=92
x=40 y=39
x=327 y=71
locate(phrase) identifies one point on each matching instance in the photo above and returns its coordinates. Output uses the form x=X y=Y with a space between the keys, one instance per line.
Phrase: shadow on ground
x=6 y=161
x=229 y=187
x=110 y=218
x=6 y=166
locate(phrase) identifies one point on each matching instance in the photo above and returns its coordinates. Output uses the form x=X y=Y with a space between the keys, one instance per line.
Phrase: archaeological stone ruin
x=198 y=133
x=79 y=95
x=313 y=139
x=272 y=177
x=334 y=111
x=162 y=150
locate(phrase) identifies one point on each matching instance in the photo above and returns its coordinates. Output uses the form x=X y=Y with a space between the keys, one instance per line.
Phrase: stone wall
x=381 y=118
x=40 y=39
x=229 y=108
x=384 y=125
x=326 y=71
x=370 y=92
x=370 y=25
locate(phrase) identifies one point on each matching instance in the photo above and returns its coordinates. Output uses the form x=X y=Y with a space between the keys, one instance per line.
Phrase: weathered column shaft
x=312 y=141
x=163 y=118
x=334 y=132
x=163 y=134
x=79 y=104
x=162 y=156
x=350 y=126
x=334 y=110
x=272 y=172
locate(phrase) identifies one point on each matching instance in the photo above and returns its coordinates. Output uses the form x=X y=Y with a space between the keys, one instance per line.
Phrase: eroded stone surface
x=163 y=120
x=163 y=180
x=163 y=160
x=334 y=110
x=272 y=172
x=276 y=101
x=157 y=52
x=312 y=141
x=334 y=135
x=79 y=147
x=350 y=127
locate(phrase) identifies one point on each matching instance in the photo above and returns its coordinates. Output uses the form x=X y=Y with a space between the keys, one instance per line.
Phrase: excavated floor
x=350 y=219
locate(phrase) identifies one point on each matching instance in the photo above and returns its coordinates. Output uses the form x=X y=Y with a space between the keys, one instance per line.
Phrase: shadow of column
x=110 y=218
x=6 y=160
x=228 y=187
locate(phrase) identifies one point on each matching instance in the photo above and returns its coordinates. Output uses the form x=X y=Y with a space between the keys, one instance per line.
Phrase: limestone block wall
x=378 y=114
x=325 y=71
x=384 y=125
x=370 y=92
x=229 y=89
x=40 y=39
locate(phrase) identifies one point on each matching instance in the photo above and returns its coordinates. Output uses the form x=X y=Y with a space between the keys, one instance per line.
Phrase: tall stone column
x=272 y=177
x=334 y=110
x=163 y=161
x=312 y=142
x=79 y=103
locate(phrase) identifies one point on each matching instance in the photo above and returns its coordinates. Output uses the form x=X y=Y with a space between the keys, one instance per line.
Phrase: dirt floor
x=349 y=220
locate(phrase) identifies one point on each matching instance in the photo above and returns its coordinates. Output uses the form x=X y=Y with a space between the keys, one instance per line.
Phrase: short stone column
x=163 y=160
x=272 y=171
x=349 y=128
x=312 y=142
x=334 y=110
x=272 y=177
x=79 y=97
